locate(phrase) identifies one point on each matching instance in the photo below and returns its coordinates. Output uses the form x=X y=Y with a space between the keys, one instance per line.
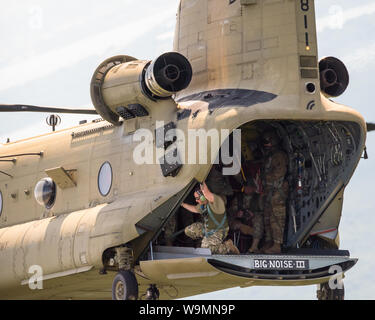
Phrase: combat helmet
x=270 y=137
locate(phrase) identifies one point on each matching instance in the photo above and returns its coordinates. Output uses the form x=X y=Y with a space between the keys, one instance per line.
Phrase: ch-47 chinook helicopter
x=88 y=220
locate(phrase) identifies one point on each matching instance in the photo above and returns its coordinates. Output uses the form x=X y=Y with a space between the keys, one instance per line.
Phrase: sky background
x=50 y=49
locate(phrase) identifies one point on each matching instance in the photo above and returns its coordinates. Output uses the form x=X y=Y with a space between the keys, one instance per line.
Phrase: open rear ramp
x=190 y=267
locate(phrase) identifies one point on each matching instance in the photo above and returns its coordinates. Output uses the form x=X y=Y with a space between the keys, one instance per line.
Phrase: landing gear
x=324 y=292
x=125 y=286
x=152 y=293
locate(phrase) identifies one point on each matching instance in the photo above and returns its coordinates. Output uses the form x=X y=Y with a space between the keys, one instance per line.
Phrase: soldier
x=215 y=228
x=247 y=201
x=275 y=194
x=241 y=211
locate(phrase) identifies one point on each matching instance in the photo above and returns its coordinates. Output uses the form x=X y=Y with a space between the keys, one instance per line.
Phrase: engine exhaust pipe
x=168 y=74
x=334 y=77
x=124 y=86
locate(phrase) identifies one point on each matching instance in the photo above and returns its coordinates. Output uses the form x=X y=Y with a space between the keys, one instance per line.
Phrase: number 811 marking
x=305 y=5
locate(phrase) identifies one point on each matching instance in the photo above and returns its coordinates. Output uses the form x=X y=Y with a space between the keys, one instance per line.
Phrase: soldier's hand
x=206 y=192
x=204 y=187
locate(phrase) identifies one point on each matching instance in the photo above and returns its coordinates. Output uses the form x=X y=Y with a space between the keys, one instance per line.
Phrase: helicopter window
x=105 y=179
x=45 y=192
x=1 y=203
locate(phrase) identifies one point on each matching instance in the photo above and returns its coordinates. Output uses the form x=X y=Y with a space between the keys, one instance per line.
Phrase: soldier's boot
x=254 y=246
x=275 y=249
x=231 y=247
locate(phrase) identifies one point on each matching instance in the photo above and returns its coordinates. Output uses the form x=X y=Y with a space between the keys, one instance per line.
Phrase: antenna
x=53 y=120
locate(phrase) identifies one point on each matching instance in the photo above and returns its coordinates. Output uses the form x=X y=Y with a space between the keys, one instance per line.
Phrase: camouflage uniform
x=247 y=203
x=275 y=194
x=250 y=204
x=213 y=234
x=272 y=221
x=214 y=242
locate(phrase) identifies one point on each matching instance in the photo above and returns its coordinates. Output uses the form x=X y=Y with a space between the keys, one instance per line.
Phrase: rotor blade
x=28 y=108
x=370 y=126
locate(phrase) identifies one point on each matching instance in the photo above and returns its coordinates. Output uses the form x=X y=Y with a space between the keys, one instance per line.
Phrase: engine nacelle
x=122 y=84
x=334 y=77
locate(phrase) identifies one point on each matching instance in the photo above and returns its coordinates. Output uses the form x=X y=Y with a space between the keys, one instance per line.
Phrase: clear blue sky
x=51 y=48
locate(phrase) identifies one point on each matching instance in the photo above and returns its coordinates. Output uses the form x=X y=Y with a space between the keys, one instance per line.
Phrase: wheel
x=324 y=292
x=125 y=286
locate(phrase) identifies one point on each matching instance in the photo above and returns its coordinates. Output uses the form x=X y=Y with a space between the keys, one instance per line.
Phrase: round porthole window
x=45 y=192
x=1 y=203
x=105 y=179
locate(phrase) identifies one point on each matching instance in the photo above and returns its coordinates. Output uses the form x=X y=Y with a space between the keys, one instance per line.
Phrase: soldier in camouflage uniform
x=246 y=205
x=214 y=228
x=243 y=209
x=275 y=194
